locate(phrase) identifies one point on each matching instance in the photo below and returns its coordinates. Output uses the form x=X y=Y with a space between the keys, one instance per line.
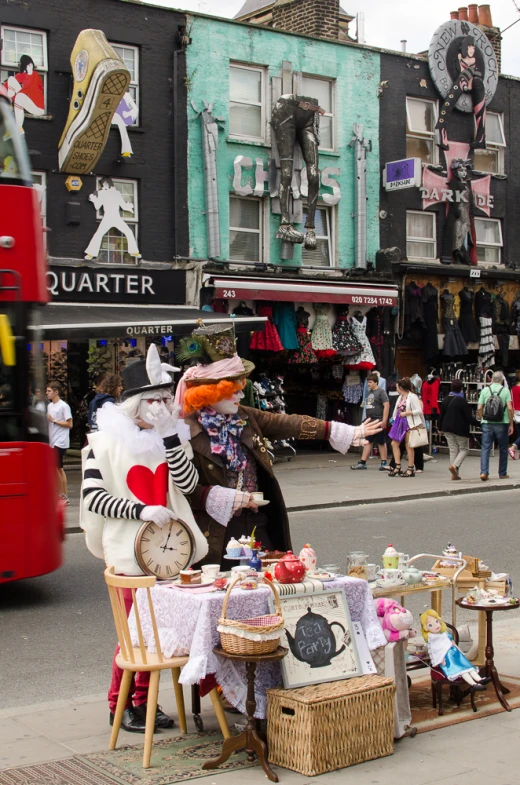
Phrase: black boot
x=161 y=719
x=131 y=722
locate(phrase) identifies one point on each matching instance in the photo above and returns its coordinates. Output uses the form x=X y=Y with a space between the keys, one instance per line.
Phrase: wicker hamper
x=330 y=726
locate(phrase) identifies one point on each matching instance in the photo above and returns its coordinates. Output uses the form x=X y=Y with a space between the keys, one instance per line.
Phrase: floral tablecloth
x=187 y=624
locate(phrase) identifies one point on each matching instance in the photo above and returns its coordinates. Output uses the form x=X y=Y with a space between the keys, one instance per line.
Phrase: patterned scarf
x=224 y=431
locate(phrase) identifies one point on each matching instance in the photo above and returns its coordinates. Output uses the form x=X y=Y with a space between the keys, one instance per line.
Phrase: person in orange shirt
x=26 y=92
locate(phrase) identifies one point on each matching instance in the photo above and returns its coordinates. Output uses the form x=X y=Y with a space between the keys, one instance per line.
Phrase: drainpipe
x=361 y=146
x=209 y=127
x=183 y=40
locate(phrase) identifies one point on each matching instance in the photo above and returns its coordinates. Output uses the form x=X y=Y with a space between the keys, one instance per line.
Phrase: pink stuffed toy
x=396 y=621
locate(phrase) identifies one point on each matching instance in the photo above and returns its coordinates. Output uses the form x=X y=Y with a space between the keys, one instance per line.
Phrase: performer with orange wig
x=229 y=445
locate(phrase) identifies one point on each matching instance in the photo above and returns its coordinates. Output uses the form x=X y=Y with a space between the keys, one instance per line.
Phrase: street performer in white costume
x=124 y=485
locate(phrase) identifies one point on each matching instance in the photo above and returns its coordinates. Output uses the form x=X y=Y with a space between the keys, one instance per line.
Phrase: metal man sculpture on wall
x=464 y=69
x=125 y=116
x=294 y=119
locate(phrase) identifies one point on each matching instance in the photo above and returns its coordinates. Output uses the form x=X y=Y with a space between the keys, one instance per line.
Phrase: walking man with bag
x=495 y=410
x=455 y=420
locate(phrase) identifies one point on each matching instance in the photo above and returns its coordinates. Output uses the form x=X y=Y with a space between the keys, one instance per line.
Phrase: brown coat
x=212 y=471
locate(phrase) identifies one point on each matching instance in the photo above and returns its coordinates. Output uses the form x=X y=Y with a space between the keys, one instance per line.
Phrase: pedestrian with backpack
x=495 y=410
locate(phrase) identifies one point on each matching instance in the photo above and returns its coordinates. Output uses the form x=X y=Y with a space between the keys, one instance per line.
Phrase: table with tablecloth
x=187 y=623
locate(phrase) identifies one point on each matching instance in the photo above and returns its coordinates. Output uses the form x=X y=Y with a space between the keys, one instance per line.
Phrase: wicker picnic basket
x=241 y=636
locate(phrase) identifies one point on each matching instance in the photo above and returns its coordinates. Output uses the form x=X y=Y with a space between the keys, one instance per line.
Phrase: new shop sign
x=116 y=285
x=402 y=174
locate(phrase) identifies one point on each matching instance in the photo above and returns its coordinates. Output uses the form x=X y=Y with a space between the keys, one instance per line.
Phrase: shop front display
x=322 y=338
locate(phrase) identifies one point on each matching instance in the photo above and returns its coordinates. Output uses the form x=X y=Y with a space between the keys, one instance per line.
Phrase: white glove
x=243 y=501
x=164 y=421
x=157 y=514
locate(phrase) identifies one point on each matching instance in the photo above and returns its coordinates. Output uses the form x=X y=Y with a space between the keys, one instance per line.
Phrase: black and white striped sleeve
x=182 y=470
x=99 y=501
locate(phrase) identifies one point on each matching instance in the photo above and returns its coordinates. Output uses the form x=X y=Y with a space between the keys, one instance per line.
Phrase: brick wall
x=317 y=18
x=161 y=175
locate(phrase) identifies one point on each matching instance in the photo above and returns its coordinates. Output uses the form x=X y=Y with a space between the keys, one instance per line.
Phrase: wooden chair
x=137 y=659
x=459 y=689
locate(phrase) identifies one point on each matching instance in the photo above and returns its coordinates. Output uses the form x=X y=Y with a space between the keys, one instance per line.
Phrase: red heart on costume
x=149 y=487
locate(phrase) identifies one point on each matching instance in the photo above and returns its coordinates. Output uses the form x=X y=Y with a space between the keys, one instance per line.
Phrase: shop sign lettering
x=261 y=176
x=62 y=283
x=106 y=285
x=447 y=195
x=156 y=329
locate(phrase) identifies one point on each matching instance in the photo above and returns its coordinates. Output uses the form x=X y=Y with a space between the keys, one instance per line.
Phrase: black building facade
x=149 y=40
x=413 y=230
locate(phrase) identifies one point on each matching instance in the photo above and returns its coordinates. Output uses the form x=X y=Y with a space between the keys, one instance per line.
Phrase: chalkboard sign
x=320 y=637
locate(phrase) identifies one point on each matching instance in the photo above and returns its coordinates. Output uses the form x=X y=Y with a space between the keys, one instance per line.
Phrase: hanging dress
x=430 y=302
x=454 y=345
x=375 y=332
x=284 y=317
x=321 y=332
x=267 y=340
x=343 y=339
x=467 y=323
x=365 y=359
x=305 y=354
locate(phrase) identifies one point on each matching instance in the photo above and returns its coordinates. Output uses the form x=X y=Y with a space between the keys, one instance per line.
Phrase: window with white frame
x=323 y=256
x=247 y=102
x=130 y=57
x=20 y=47
x=489 y=240
x=114 y=245
x=245 y=229
x=323 y=91
x=421 y=116
x=492 y=158
x=421 y=240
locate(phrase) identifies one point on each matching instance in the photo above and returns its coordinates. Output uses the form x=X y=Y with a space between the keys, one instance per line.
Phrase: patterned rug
x=173 y=760
x=425 y=717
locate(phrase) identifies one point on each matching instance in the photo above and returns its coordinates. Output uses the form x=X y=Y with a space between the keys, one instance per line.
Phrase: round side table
x=250 y=738
x=490 y=669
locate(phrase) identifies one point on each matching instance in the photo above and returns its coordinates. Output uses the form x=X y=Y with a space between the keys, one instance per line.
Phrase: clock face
x=164 y=552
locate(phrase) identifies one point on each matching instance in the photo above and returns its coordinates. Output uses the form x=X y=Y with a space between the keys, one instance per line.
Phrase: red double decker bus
x=31 y=516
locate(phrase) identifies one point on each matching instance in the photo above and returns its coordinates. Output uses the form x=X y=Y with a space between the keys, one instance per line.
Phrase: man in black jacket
x=454 y=421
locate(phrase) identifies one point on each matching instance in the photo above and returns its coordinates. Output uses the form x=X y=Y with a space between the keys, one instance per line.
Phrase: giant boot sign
x=296 y=118
x=101 y=80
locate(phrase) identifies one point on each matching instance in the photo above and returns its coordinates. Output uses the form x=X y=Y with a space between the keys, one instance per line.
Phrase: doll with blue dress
x=444 y=654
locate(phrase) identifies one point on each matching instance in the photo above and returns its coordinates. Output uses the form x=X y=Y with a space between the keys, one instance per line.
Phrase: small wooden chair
x=137 y=659
x=458 y=689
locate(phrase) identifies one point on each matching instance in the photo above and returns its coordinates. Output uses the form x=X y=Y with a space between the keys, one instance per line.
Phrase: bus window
x=14 y=162
x=38 y=427
x=9 y=419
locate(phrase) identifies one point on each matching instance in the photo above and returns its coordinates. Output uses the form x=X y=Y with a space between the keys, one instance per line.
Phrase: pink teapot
x=289 y=569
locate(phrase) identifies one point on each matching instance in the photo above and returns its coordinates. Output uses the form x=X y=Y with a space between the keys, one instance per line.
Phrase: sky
x=409 y=19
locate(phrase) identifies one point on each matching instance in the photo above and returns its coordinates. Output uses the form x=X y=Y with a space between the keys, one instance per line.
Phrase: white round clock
x=164 y=552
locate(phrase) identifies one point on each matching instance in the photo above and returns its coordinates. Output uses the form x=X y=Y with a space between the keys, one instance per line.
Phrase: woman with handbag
x=408 y=424
x=515 y=395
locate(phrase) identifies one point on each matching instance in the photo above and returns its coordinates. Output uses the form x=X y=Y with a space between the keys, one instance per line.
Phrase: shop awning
x=286 y=290
x=74 y=321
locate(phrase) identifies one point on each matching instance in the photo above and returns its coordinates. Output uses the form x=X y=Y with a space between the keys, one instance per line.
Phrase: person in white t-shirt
x=60 y=419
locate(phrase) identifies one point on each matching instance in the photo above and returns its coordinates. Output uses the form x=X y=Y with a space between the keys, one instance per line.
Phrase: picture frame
x=320 y=637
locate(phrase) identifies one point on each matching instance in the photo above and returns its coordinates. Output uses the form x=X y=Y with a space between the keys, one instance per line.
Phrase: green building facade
x=232 y=66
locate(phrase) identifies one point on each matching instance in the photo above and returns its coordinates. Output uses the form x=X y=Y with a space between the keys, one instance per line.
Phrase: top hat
x=206 y=347
x=147 y=375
